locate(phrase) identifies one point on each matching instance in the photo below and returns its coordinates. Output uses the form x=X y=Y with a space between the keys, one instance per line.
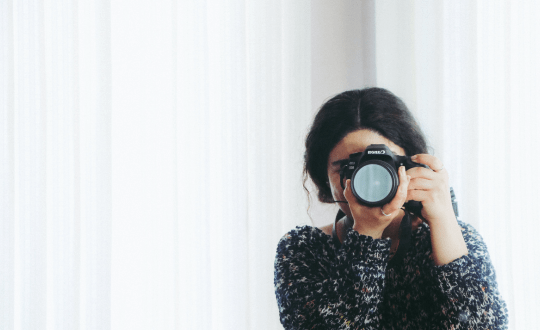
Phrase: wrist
x=446 y=221
x=447 y=241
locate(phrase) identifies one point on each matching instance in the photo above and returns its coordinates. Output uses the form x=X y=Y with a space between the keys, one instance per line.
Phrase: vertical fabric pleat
x=495 y=140
x=94 y=74
x=144 y=219
x=242 y=70
x=62 y=159
x=192 y=143
x=7 y=167
x=520 y=53
x=56 y=183
x=30 y=146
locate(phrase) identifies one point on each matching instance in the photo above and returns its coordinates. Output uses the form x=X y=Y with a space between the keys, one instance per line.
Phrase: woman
x=445 y=279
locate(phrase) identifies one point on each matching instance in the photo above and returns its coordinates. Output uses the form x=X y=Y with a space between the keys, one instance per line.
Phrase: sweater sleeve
x=317 y=288
x=470 y=287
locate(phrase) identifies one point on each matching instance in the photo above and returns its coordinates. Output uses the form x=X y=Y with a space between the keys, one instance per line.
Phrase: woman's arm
x=447 y=241
x=470 y=286
x=462 y=267
x=316 y=289
x=430 y=186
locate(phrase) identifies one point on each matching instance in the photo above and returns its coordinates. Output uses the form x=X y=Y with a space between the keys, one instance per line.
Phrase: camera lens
x=372 y=183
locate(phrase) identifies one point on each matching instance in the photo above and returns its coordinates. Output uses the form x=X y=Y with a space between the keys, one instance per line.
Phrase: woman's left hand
x=430 y=186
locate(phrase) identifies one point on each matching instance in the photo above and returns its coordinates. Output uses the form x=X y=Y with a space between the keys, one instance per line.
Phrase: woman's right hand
x=369 y=220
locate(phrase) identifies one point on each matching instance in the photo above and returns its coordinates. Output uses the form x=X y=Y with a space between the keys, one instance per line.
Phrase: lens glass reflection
x=372 y=182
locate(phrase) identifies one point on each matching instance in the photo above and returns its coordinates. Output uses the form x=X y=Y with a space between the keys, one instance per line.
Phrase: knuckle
x=407 y=186
x=403 y=193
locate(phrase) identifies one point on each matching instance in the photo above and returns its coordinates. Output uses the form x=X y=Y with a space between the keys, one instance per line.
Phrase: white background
x=152 y=150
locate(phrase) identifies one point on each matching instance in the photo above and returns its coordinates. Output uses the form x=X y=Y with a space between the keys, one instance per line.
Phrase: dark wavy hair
x=375 y=109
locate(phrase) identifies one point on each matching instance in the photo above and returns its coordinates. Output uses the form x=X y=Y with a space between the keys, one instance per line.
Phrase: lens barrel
x=374 y=182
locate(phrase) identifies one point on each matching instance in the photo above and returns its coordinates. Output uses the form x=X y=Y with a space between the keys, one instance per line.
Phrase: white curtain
x=152 y=150
x=151 y=160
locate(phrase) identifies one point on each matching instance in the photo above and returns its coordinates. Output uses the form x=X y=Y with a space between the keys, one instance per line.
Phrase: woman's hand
x=430 y=186
x=371 y=221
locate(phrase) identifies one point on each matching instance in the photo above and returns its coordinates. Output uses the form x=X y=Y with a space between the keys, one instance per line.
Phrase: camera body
x=374 y=176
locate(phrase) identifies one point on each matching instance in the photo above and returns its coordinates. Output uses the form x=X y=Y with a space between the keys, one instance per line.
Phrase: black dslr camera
x=374 y=176
x=374 y=182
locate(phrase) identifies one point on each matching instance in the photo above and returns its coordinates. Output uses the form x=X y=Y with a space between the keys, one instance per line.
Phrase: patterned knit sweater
x=319 y=285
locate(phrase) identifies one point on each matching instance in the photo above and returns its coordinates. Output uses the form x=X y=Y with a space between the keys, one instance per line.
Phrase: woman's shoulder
x=305 y=244
x=304 y=236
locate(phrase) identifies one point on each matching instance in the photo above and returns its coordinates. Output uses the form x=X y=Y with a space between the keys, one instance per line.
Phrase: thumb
x=348 y=191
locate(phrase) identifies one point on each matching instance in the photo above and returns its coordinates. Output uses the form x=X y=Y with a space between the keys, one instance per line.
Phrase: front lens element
x=372 y=183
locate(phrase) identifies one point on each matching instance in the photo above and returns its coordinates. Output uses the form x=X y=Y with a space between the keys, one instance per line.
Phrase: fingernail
x=414 y=157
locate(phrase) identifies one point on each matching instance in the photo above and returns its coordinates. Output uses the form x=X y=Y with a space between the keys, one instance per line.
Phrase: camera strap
x=405 y=234
x=340 y=215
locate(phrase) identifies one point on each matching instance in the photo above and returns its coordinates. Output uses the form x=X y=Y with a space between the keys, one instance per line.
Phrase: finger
x=421 y=184
x=348 y=192
x=420 y=176
x=401 y=194
x=426 y=196
x=427 y=174
x=422 y=172
x=433 y=162
x=418 y=195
